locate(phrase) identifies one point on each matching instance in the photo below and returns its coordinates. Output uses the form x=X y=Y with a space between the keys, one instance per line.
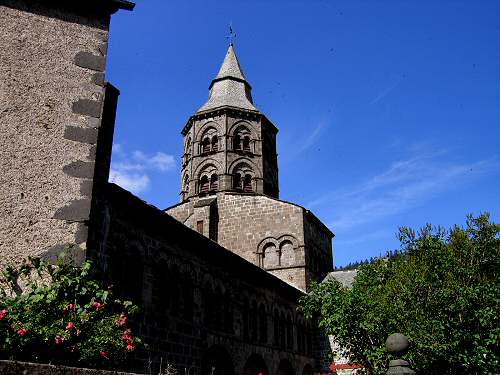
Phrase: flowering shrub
x=61 y=315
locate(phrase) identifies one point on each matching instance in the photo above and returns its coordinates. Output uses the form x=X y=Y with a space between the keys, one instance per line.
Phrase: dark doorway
x=285 y=368
x=308 y=370
x=255 y=365
x=217 y=361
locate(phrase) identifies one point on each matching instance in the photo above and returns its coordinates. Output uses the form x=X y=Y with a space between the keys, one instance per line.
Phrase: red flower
x=122 y=320
x=127 y=336
x=130 y=347
x=70 y=326
x=104 y=355
x=3 y=313
x=21 y=331
x=71 y=307
x=98 y=306
x=59 y=339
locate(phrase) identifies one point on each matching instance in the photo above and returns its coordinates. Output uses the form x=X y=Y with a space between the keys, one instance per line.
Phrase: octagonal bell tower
x=229 y=145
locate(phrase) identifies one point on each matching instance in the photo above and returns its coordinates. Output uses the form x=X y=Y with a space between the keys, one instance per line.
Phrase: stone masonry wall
x=52 y=64
x=195 y=295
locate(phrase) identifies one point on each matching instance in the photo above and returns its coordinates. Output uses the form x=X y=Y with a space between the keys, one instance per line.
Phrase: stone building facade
x=230 y=190
x=228 y=301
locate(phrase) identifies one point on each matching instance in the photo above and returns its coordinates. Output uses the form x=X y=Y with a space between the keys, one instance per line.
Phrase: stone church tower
x=229 y=185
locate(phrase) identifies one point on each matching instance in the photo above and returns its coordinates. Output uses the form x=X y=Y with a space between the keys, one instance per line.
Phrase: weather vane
x=232 y=35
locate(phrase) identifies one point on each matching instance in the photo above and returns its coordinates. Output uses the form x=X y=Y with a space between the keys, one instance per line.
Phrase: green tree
x=442 y=291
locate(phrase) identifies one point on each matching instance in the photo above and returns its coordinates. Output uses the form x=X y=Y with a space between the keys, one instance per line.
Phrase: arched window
x=215 y=143
x=236 y=142
x=253 y=322
x=205 y=145
x=204 y=185
x=282 y=331
x=247 y=184
x=289 y=333
x=246 y=333
x=237 y=181
x=214 y=182
x=262 y=323
x=185 y=190
x=246 y=143
x=276 y=326
x=287 y=254
x=270 y=256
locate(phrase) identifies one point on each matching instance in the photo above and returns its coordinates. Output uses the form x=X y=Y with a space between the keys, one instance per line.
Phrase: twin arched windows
x=243 y=178
x=241 y=139
x=276 y=253
x=209 y=141
x=208 y=181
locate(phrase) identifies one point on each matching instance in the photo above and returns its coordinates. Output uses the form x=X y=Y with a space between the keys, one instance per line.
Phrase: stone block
x=84 y=135
x=77 y=210
x=87 y=107
x=80 y=169
x=90 y=61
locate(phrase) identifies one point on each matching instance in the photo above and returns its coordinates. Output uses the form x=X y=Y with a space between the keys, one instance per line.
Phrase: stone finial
x=398 y=345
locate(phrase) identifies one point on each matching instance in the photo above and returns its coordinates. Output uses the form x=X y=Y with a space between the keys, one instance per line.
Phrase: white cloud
x=135 y=183
x=405 y=184
x=132 y=170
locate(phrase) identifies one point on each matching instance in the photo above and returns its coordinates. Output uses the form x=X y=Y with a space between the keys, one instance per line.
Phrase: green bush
x=60 y=314
x=442 y=292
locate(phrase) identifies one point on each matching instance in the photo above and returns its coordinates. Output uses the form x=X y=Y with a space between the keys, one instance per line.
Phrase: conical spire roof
x=230 y=87
x=231 y=66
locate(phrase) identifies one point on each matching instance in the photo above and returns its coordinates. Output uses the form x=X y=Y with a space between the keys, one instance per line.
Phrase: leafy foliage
x=442 y=291
x=60 y=314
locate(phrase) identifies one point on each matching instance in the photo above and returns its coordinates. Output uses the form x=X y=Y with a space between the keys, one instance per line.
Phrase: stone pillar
x=398 y=345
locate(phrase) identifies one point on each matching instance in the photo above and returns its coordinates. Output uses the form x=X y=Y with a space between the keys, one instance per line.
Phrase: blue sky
x=389 y=111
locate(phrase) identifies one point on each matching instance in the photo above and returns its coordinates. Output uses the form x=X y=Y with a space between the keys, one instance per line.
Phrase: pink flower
x=59 y=339
x=3 y=313
x=122 y=320
x=130 y=347
x=98 y=306
x=127 y=337
x=70 y=326
x=71 y=307
x=21 y=331
x=104 y=355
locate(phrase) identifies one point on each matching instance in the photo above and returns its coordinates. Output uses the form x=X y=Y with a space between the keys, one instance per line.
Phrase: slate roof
x=346 y=278
x=230 y=87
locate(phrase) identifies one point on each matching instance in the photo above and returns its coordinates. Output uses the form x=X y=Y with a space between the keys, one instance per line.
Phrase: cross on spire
x=232 y=35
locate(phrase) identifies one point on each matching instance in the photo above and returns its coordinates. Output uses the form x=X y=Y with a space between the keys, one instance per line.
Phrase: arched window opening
x=209 y=305
x=219 y=308
x=237 y=181
x=228 y=313
x=262 y=324
x=205 y=145
x=246 y=333
x=215 y=143
x=287 y=253
x=289 y=333
x=247 y=184
x=253 y=322
x=270 y=256
x=204 y=185
x=282 y=331
x=214 y=182
x=236 y=142
x=246 y=144
x=276 y=326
